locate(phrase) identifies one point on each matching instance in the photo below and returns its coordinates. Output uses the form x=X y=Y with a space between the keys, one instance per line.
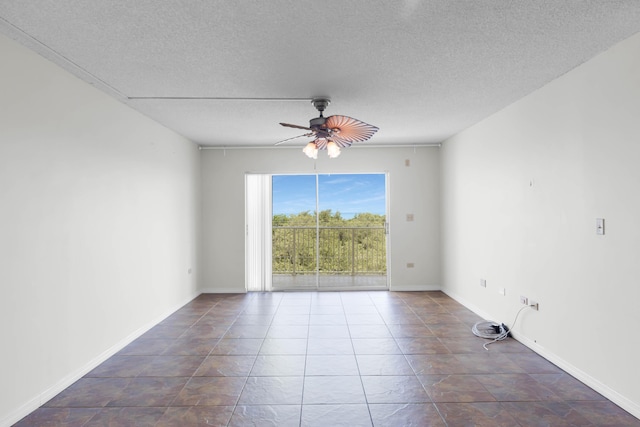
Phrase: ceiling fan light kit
x=333 y=150
x=333 y=132
x=311 y=150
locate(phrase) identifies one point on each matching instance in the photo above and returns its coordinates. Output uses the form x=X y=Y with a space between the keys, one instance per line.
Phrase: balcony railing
x=342 y=250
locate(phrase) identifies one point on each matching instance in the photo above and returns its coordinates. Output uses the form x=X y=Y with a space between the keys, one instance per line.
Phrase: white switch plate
x=502 y=291
x=483 y=283
x=600 y=226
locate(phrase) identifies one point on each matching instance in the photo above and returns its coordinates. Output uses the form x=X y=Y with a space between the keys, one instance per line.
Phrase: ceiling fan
x=331 y=133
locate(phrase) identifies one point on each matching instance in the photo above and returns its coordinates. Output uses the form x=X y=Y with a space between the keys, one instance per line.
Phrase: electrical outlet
x=483 y=283
x=524 y=300
x=410 y=265
x=534 y=305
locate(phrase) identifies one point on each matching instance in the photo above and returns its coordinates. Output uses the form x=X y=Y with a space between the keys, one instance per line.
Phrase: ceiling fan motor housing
x=317 y=122
x=318 y=125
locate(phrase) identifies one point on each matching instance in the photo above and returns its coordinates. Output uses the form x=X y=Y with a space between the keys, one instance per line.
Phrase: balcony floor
x=329 y=282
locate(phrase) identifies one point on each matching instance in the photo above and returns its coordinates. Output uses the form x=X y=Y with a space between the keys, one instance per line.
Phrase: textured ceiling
x=419 y=70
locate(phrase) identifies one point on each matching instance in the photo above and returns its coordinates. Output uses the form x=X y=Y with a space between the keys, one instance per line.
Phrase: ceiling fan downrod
x=317 y=124
x=321 y=104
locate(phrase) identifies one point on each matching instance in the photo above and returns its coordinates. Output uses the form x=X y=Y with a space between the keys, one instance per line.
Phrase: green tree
x=360 y=239
x=280 y=220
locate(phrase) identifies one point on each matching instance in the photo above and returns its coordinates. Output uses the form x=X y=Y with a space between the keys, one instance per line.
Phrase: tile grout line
x=246 y=380
x=364 y=392
x=304 y=371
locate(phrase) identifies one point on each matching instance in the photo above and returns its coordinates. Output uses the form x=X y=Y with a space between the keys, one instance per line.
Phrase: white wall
x=98 y=227
x=413 y=189
x=521 y=194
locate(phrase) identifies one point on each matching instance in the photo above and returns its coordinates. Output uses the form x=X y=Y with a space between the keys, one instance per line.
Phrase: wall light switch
x=409 y=217
x=600 y=226
x=407 y=162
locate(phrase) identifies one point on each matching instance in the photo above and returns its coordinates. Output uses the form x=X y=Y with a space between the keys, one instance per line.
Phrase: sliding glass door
x=329 y=231
x=294 y=232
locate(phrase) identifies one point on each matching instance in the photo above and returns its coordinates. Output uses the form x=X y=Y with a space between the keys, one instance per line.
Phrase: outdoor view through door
x=342 y=247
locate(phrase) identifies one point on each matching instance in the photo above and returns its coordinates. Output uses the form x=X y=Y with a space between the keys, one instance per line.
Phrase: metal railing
x=342 y=250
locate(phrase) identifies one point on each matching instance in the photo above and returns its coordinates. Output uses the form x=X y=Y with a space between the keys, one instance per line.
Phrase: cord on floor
x=492 y=330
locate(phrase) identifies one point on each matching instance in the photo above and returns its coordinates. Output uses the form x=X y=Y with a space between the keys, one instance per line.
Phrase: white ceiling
x=419 y=70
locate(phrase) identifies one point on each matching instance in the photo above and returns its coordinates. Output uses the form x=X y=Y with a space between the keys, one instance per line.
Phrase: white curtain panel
x=258 y=232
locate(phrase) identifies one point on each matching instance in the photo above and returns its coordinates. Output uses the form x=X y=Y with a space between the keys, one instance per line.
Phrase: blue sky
x=347 y=193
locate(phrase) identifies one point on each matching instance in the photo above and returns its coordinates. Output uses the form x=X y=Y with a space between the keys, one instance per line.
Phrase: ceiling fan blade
x=347 y=130
x=321 y=143
x=295 y=126
x=342 y=143
x=289 y=139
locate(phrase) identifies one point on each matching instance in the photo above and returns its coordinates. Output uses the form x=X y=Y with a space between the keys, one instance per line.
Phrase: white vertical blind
x=258 y=232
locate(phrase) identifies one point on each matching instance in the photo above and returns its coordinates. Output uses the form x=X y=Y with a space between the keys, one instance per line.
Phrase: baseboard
x=620 y=400
x=43 y=397
x=414 y=288
x=228 y=290
x=615 y=397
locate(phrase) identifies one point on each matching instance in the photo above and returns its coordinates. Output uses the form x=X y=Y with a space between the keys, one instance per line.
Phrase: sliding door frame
x=258 y=232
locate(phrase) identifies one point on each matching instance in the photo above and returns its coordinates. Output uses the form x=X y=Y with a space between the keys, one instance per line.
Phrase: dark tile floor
x=325 y=359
